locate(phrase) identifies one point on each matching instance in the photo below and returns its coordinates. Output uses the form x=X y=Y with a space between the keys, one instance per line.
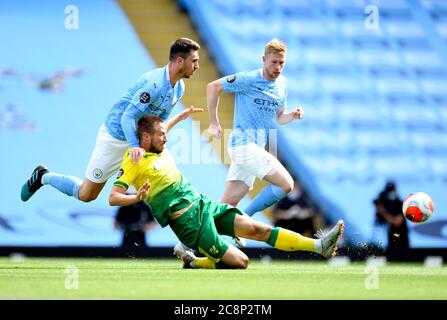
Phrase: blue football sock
x=67 y=184
x=268 y=196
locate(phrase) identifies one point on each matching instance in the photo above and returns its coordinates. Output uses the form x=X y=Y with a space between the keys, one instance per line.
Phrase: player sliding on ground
x=198 y=221
x=156 y=93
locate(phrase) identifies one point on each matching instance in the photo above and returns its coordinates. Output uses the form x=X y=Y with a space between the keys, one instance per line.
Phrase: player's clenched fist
x=215 y=130
x=298 y=113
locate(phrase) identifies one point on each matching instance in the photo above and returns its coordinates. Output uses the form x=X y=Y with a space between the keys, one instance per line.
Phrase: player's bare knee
x=242 y=262
x=258 y=231
x=265 y=232
x=288 y=187
x=288 y=184
x=87 y=196
x=262 y=231
x=231 y=201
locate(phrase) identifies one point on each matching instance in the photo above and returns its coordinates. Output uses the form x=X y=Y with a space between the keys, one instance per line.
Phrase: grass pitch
x=158 y=279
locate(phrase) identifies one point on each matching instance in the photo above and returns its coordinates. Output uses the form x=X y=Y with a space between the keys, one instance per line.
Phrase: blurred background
x=369 y=75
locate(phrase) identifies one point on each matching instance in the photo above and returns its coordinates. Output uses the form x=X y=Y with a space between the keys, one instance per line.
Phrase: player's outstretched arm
x=181 y=116
x=130 y=132
x=284 y=117
x=118 y=198
x=213 y=91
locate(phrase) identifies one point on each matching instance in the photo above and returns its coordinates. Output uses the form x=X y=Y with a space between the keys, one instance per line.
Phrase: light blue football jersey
x=257 y=100
x=152 y=94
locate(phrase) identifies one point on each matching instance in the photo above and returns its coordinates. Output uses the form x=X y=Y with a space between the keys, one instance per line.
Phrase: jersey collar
x=150 y=154
x=266 y=80
x=168 y=81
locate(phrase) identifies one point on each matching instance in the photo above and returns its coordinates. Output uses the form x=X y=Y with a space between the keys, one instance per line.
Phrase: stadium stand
x=375 y=98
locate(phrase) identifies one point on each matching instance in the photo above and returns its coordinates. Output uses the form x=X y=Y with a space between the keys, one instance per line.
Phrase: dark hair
x=390 y=186
x=147 y=124
x=181 y=47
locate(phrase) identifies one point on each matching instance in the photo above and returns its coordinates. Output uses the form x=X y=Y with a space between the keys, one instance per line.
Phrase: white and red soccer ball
x=418 y=207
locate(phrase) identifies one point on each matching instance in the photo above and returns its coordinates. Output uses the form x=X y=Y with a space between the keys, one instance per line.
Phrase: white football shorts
x=249 y=162
x=106 y=157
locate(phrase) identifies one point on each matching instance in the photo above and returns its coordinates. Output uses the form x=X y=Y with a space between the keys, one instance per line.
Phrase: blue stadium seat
x=405 y=30
x=431 y=142
x=425 y=58
x=379 y=141
x=301 y=9
x=383 y=58
x=397 y=85
x=394 y=4
x=363 y=116
x=416 y=117
x=430 y=72
x=438 y=166
x=442 y=29
x=396 y=14
x=434 y=86
x=331 y=84
x=403 y=168
x=327 y=62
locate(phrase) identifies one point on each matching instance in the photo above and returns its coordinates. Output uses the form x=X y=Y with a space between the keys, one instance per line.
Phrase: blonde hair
x=275 y=46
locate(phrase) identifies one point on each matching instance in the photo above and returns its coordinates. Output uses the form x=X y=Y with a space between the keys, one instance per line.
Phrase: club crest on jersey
x=120 y=173
x=145 y=97
x=157 y=165
x=231 y=78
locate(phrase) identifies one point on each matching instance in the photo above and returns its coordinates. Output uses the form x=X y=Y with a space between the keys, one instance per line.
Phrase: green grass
x=164 y=279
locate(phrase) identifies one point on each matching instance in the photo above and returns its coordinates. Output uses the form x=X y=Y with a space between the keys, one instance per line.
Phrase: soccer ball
x=418 y=207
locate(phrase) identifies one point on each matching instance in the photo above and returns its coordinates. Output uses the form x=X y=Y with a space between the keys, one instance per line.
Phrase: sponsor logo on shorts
x=120 y=173
x=97 y=173
x=145 y=97
x=231 y=78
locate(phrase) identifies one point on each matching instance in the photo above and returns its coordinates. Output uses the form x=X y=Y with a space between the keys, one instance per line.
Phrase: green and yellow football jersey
x=169 y=190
